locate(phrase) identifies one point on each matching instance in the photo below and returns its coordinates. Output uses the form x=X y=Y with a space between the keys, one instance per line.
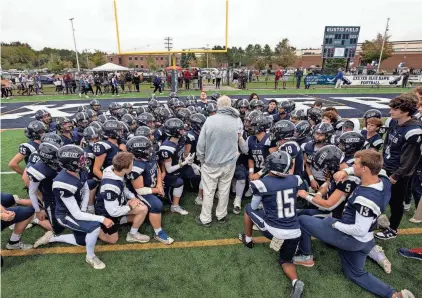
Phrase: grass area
x=145 y=94
x=221 y=271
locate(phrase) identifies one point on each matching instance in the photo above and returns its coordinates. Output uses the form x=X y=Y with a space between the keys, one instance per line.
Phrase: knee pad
x=178 y=191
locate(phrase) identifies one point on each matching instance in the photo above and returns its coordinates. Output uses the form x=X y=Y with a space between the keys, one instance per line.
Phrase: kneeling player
x=116 y=202
x=352 y=234
x=147 y=182
x=72 y=194
x=277 y=221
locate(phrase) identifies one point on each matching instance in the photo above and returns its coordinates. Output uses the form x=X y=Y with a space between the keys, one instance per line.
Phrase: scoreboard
x=340 y=41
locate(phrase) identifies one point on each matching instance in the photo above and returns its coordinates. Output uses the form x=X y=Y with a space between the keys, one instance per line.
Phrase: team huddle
x=309 y=173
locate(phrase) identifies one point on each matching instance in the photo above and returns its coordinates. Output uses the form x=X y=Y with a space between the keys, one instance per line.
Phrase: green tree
x=98 y=58
x=284 y=53
x=371 y=49
x=267 y=54
x=131 y=65
x=332 y=65
x=152 y=65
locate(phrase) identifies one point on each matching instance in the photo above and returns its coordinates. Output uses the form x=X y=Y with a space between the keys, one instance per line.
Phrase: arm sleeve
x=85 y=198
x=243 y=146
x=128 y=194
x=200 y=146
x=408 y=159
x=73 y=208
x=33 y=187
x=360 y=228
x=349 y=171
x=170 y=169
x=111 y=204
x=255 y=201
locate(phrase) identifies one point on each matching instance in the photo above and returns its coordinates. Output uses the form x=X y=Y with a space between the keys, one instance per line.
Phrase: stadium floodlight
x=172 y=51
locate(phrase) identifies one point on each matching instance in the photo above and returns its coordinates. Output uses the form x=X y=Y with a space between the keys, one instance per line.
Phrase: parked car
x=47 y=80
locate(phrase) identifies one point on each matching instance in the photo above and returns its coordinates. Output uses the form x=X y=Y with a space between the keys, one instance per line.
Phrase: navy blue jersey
x=51 y=127
x=303 y=141
x=272 y=113
x=397 y=139
x=108 y=148
x=111 y=190
x=279 y=200
x=40 y=172
x=66 y=185
x=33 y=159
x=147 y=169
x=77 y=136
x=294 y=150
x=202 y=105
x=159 y=135
x=277 y=117
x=171 y=150
x=192 y=139
x=368 y=201
x=26 y=149
x=374 y=142
x=259 y=150
x=310 y=149
x=90 y=160
x=74 y=140
x=347 y=186
x=349 y=160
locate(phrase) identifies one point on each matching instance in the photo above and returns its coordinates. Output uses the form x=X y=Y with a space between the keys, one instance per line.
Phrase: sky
x=200 y=23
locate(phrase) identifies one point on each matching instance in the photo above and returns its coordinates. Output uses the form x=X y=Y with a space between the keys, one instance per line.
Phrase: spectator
x=68 y=82
x=136 y=80
x=114 y=85
x=339 y=79
x=253 y=96
x=157 y=84
x=195 y=78
x=89 y=83
x=405 y=79
x=278 y=75
x=272 y=107
x=200 y=79
x=242 y=78
x=38 y=85
x=218 y=159
x=188 y=77
x=218 y=77
x=83 y=87
x=235 y=79
x=299 y=75
x=213 y=74
x=208 y=76
x=97 y=82
x=128 y=79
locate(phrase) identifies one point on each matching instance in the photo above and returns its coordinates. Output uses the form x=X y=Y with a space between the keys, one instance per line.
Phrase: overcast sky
x=196 y=23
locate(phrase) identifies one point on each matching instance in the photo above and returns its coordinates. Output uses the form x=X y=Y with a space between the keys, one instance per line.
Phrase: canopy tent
x=110 y=67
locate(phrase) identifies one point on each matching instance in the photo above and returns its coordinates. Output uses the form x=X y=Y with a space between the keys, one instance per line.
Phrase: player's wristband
x=309 y=198
x=311 y=178
x=260 y=173
x=251 y=170
x=324 y=185
x=318 y=193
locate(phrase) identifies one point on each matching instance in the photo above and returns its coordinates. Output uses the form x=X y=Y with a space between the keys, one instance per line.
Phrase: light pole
x=74 y=42
x=382 y=47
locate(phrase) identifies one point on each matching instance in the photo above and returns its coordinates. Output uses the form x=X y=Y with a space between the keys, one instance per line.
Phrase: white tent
x=110 y=67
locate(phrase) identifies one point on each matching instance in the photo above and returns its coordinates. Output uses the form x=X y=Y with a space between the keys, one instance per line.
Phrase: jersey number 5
x=285 y=197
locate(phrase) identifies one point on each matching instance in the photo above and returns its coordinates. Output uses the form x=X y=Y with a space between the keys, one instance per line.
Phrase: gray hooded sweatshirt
x=218 y=140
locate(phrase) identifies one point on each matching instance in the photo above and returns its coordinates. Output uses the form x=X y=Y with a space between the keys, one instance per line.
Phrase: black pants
x=187 y=83
x=137 y=87
x=84 y=90
x=68 y=87
x=404 y=83
x=217 y=83
x=399 y=192
x=90 y=89
x=157 y=87
x=98 y=88
x=114 y=89
x=3 y=93
x=298 y=79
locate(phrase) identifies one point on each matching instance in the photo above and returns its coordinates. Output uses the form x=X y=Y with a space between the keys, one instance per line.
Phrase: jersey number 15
x=285 y=203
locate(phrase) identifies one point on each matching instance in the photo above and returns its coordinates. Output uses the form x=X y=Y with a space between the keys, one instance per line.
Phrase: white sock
x=157 y=231
x=91 y=240
x=234 y=182
x=240 y=187
x=15 y=237
x=66 y=238
x=35 y=221
x=248 y=239
x=133 y=231
x=91 y=209
x=293 y=282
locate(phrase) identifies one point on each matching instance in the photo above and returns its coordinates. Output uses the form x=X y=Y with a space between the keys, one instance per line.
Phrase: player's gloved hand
x=189 y=159
x=196 y=169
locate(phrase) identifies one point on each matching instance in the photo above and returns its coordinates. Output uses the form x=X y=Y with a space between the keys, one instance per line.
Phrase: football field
x=203 y=262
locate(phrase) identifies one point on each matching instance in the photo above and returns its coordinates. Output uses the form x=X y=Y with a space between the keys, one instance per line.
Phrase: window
x=136 y=58
x=142 y=66
x=111 y=58
x=136 y=66
x=130 y=58
x=120 y=60
x=156 y=58
x=161 y=58
x=162 y=65
x=342 y=42
x=142 y=58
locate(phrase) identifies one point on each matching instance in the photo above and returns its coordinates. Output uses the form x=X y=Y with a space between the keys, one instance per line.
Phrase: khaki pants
x=213 y=178
x=338 y=83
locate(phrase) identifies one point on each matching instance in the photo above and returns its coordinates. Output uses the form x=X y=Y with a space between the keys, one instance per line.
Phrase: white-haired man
x=217 y=150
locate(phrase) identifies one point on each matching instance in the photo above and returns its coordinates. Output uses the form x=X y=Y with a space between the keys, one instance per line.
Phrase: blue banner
x=319 y=80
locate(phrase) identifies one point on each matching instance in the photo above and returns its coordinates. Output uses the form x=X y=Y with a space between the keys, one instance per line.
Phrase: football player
x=302 y=133
x=285 y=107
x=96 y=106
x=105 y=150
x=373 y=139
x=277 y=220
x=65 y=129
x=172 y=161
x=146 y=181
x=34 y=131
x=45 y=117
x=314 y=116
x=116 y=202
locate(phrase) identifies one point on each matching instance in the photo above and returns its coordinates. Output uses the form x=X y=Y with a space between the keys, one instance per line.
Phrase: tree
x=332 y=65
x=152 y=65
x=131 y=65
x=284 y=54
x=267 y=54
x=371 y=49
x=98 y=58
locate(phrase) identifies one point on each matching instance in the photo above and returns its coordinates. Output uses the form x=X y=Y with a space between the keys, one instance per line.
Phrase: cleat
x=138 y=237
x=95 y=262
x=242 y=238
x=163 y=238
x=45 y=239
x=18 y=246
x=377 y=254
x=307 y=261
x=386 y=234
x=297 y=290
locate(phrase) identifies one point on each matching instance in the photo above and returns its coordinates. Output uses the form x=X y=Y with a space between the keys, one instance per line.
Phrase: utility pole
x=74 y=42
x=168 y=43
x=208 y=47
x=382 y=48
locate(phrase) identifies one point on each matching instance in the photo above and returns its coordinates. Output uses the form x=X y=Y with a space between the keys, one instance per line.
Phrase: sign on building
x=340 y=41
